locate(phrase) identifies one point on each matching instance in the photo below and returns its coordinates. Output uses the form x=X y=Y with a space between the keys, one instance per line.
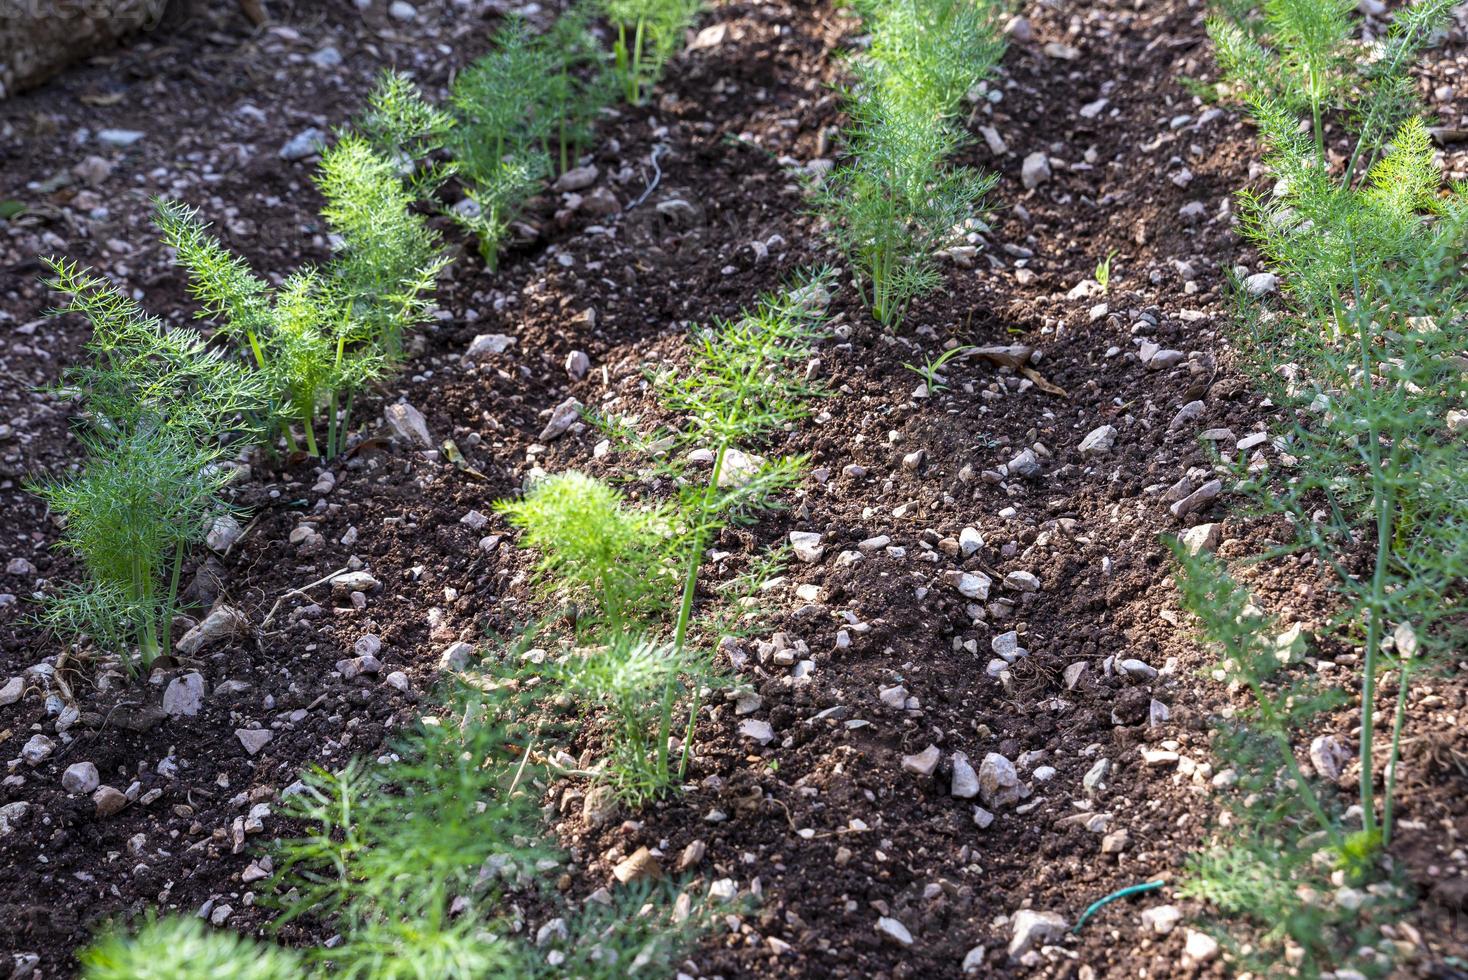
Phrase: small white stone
x=923 y=763
x=1098 y=441
x=1022 y=581
x=894 y=931
x=807 y=546
x=1161 y=918
x=965 y=784
x=80 y=777
x=253 y=739
x=1032 y=928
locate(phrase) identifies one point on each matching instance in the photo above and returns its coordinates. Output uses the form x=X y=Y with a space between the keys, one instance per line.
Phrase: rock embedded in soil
x=307 y=142
x=807 y=546
x=894 y=931
x=12 y=691
x=1022 y=582
x=1031 y=928
x=11 y=815
x=1098 y=441
x=408 y=424
x=640 y=865
x=80 y=777
x=37 y=750
x=562 y=417
x=184 y=696
x=577 y=178
x=1199 y=948
x=108 y=801
x=1329 y=757
x=221 y=623
x=1034 y=171
x=998 y=782
x=349 y=582
x=1261 y=284
x=923 y=763
x=1199 y=498
x=456 y=656
x=223 y=533
x=965 y=784
x=1161 y=918
x=759 y=731
x=1203 y=537
x=488 y=344
x=577 y=364
x=253 y=739
x=1025 y=464
x=970 y=585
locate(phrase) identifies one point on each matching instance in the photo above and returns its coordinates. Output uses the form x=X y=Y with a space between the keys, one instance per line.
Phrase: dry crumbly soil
x=822 y=827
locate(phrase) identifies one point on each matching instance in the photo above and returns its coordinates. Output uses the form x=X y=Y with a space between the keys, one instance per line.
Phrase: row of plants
x=408 y=863
x=524 y=112
x=414 y=864
x=897 y=199
x=630 y=571
x=1362 y=356
x=161 y=407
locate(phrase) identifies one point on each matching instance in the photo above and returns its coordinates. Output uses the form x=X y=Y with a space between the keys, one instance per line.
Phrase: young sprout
x=596 y=549
x=895 y=201
x=929 y=372
x=501 y=131
x=1103 y=272
x=649 y=33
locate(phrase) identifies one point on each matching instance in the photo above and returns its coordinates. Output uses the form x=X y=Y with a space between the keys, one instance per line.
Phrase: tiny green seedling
x=1103 y=272
x=929 y=371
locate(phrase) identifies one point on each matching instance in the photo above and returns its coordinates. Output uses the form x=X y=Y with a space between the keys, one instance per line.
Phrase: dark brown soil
x=822 y=827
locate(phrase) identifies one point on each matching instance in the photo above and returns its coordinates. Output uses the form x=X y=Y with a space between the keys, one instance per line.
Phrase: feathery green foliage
x=596 y=548
x=399 y=858
x=515 y=116
x=185 y=949
x=403 y=126
x=1362 y=354
x=744 y=381
x=895 y=201
x=649 y=33
x=498 y=142
x=409 y=861
x=635 y=681
x=327 y=332
x=156 y=402
x=932 y=367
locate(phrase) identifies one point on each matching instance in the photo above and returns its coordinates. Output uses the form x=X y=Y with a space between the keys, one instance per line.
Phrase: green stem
x=1399 y=720
x=308 y=424
x=178 y=557
x=685 y=614
x=1382 y=498
x=637 y=64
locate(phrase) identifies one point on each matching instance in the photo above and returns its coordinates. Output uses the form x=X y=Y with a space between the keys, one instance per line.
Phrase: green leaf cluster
x=744 y=382
x=516 y=116
x=896 y=200
x=1362 y=354
x=648 y=34
x=325 y=333
x=155 y=402
x=409 y=861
